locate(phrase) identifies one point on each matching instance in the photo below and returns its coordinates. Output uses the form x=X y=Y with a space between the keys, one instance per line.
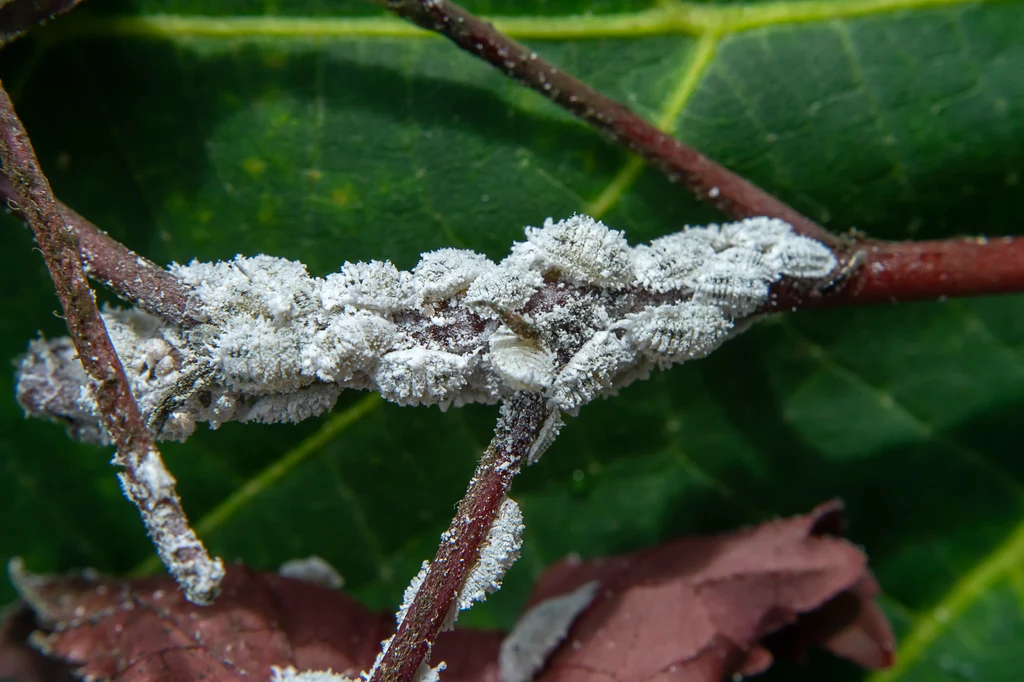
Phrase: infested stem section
x=520 y=427
x=145 y=480
x=707 y=180
x=574 y=312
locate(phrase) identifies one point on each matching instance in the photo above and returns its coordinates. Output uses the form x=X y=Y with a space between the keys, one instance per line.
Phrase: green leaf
x=328 y=132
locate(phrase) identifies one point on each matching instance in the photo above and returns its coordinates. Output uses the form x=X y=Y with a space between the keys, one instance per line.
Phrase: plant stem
x=707 y=180
x=522 y=418
x=145 y=480
x=132 y=277
x=18 y=16
x=892 y=272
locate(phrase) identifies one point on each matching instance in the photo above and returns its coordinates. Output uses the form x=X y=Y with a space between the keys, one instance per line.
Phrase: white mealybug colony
x=573 y=312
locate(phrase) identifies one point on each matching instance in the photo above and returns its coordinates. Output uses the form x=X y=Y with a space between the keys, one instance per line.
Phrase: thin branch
x=132 y=277
x=519 y=428
x=18 y=16
x=145 y=480
x=871 y=272
x=707 y=180
x=893 y=272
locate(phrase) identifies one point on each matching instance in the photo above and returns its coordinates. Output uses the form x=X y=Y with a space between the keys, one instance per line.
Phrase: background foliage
x=191 y=134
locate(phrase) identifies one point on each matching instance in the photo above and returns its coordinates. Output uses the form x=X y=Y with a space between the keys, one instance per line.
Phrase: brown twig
x=707 y=180
x=894 y=272
x=106 y=260
x=872 y=272
x=146 y=481
x=523 y=416
x=18 y=16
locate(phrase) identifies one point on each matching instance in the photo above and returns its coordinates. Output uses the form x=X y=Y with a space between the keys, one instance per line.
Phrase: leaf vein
x=676 y=18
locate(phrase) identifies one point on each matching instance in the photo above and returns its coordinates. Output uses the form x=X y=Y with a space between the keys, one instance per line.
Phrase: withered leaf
x=145 y=630
x=699 y=609
x=19 y=662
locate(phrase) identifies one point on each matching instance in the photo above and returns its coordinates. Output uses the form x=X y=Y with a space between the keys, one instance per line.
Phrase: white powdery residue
x=224 y=407
x=427 y=674
x=592 y=371
x=214 y=283
x=443 y=273
x=314 y=570
x=503 y=288
x=290 y=674
x=154 y=476
x=407 y=599
x=259 y=285
x=568 y=326
x=540 y=630
x=522 y=364
x=584 y=250
x=548 y=432
x=377 y=285
x=419 y=376
x=410 y=592
x=294 y=406
x=424 y=673
x=150 y=487
x=756 y=233
x=148 y=351
x=86 y=401
x=674 y=333
x=667 y=262
x=52 y=382
x=350 y=344
x=499 y=552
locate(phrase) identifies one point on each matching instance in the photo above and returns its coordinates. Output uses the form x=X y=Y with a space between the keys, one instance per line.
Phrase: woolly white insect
x=574 y=312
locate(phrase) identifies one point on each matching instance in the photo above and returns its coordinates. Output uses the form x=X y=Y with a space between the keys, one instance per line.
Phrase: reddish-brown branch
x=18 y=16
x=915 y=271
x=893 y=272
x=523 y=415
x=872 y=272
x=129 y=275
x=146 y=482
x=707 y=180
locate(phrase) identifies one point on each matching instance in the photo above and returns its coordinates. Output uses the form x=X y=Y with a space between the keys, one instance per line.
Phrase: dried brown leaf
x=698 y=609
x=19 y=662
x=145 y=630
